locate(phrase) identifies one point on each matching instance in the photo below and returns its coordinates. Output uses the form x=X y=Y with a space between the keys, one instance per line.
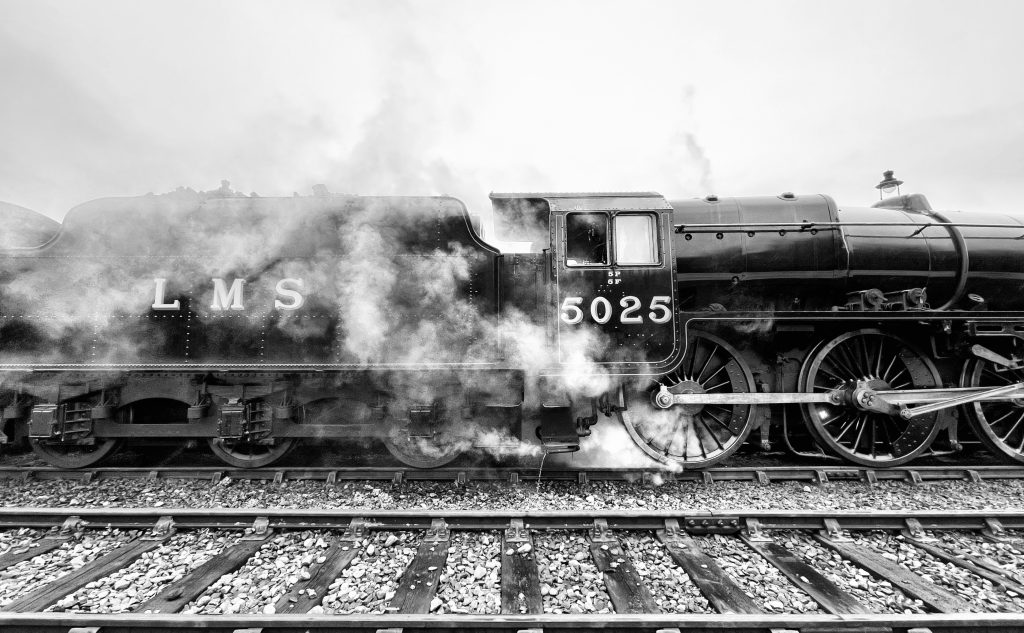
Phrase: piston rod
x=892 y=402
x=991 y=394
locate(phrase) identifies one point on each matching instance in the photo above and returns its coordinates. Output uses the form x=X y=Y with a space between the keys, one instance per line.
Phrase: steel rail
x=334 y=474
x=303 y=519
x=762 y=474
x=846 y=623
x=598 y=523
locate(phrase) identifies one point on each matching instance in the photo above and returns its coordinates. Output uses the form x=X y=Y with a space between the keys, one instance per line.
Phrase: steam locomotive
x=874 y=335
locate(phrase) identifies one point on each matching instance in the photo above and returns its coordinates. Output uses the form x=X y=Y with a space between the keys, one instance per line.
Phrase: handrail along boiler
x=872 y=334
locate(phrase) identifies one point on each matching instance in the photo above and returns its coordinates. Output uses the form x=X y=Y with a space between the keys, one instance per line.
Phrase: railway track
x=753 y=474
x=534 y=557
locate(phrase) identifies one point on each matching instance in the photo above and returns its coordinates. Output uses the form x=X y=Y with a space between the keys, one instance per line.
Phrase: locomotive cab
x=612 y=277
x=611 y=297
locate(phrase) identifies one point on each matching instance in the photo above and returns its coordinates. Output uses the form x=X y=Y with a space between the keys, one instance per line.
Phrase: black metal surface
x=763 y=244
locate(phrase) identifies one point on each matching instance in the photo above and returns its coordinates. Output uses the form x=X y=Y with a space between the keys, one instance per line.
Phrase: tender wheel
x=250 y=454
x=693 y=436
x=256 y=452
x=884 y=362
x=998 y=424
x=421 y=446
x=74 y=455
x=91 y=452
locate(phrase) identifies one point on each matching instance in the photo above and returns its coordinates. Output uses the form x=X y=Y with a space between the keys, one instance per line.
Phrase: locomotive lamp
x=888 y=185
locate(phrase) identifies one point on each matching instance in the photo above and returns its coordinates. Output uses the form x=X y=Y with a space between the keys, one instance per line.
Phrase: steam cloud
x=384 y=306
x=383 y=284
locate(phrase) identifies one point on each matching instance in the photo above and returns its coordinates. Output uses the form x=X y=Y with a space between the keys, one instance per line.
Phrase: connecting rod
x=856 y=395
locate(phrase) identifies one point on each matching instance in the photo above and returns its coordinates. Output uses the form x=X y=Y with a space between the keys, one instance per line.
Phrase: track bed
x=427 y=570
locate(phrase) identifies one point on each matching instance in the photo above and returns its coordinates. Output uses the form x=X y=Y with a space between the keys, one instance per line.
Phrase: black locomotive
x=874 y=334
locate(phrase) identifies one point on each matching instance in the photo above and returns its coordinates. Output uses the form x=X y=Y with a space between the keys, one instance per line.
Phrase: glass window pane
x=586 y=239
x=635 y=239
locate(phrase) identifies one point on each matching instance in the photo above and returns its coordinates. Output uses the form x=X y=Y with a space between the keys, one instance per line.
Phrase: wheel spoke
x=902 y=370
x=850 y=355
x=699 y=377
x=684 y=437
x=709 y=431
x=995 y=422
x=715 y=418
x=718 y=386
x=842 y=367
x=874 y=434
x=1001 y=379
x=862 y=423
x=709 y=378
x=886 y=423
x=867 y=355
x=892 y=361
x=845 y=429
x=692 y=359
x=836 y=376
x=1013 y=428
x=697 y=435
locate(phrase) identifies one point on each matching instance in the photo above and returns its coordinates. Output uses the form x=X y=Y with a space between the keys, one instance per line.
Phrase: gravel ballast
x=672 y=589
x=570 y=580
x=276 y=566
x=758 y=578
x=978 y=591
x=17 y=539
x=127 y=588
x=877 y=595
x=471 y=582
x=369 y=583
x=1009 y=556
x=885 y=495
x=29 y=575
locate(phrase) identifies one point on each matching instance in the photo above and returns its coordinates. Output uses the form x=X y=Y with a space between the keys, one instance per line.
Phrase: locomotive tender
x=873 y=334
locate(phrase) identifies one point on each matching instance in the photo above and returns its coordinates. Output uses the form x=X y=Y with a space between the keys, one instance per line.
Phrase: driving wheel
x=694 y=435
x=879 y=361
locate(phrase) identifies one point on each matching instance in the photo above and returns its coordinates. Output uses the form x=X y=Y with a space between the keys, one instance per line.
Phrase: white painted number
x=632 y=306
x=571 y=312
x=660 y=303
x=606 y=309
x=601 y=310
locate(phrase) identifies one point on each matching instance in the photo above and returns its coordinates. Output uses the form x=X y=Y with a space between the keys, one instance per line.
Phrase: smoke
x=521 y=221
x=373 y=294
x=687 y=166
x=395 y=282
x=366 y=296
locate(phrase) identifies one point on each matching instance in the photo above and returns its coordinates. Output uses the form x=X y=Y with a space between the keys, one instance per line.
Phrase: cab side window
x=636 y=240
x=586 y=239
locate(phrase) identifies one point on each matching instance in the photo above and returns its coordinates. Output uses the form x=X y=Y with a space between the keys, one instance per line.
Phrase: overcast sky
x=110 y=98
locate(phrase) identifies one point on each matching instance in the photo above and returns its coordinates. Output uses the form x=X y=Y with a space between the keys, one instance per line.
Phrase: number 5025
x=601 y=310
